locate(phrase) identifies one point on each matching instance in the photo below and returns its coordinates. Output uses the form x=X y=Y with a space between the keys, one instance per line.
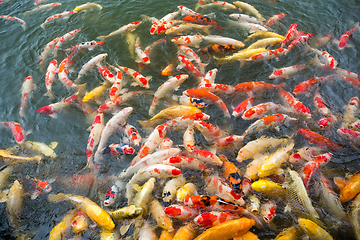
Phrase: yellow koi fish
x=7 y=158
x=87 y=6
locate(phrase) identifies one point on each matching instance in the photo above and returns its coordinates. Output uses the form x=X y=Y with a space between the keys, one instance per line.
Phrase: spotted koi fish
x=116 y=149
x=218 y=49
x=27 y=87
x=243 y=106
x=133 y=134
x=85 y=45
x=94 y=138
x=139 y=79
x=187 y=11
x=16 y=19
x=40 y=186
x=309 y=86
x=232 y=174
x=47 y=49
x=293 y=103
x=63 y=15
x=42 y=7
x=157 y=24
x=313 y=166
x=270 y=54
x=185 y=162
x=213 y=218
x=190 y=41
x=343 y=40
x=263 y=109
x=181 y=212
x=274 y=19
x=51 y=72
x=65 y=38
x=300 y=41
x=290 y=34
x=57 y=107
x=203 y=20
x=16 y=129
x=122 y=30
x=111 y=196
x=187 y=64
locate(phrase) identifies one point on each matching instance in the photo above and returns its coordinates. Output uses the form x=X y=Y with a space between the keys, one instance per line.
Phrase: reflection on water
x=20 y=50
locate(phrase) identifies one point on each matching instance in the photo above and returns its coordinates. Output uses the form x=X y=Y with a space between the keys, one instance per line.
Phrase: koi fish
x=40 y=186
x=80 y=223
x=240 y=56
x=247 y=7
x=133 y=134
x=111 y=196
x=263 y=109
x=45 y=53
x=42 y=7
x=322 y=41
x=267 y=187
x=218 y=4
x=54 y=108
x=290 y=34
x=263 y=34
x=320 y=106
x=351 y=188
x=58 y=16
x=203 y=20
x=163 y=21
x=192 y=56
x=209 y=77
x=187 y=64
x=65 y=38
x=181 y=212
x=167 y=87
x=242 y=107
x=213 y=218
x=350 y=112
x=343 y=40
x=89 y=65
x=268 y=211
x=27 y=87
x=205 y=94
x=205 y=156
x=118 y=148
x=14 y=204
x=141 y=56
x=313 y=166
x=244 y=17
x=313 y=230
x=309 y=86
x=246 y=26
x=139 y=79
x=265 y=43
x=270 y=54
x=127 y=212
x=39 y=147
x=84 y=45
x=16 y=129
x=63 y=72
x=122 y=30
x=143 y=197
x=319 y=140
x=189 y=139
x=91 y=209
x=187 y=27
x=213 y=49
x=166 y=143
x=8 y=158
x=300 y=41
x=185 y=232
x=16 y=19
x=187 y=11
x=229 y=142
x=185 y=162
x=274 y=19
x=223 y=40
x=287 y=72
x=190 y=41
x=351 y=135
x=50 y=77
x=62 y=228
x=87 y=6
x=171 y=187
x=209 y=131
x=293 y=103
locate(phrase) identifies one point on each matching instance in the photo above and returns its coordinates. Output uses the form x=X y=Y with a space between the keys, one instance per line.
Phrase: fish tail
x=149 y=123
x=57 y=197
x=49 y=94
x=206 y=30
x=24 y=26
x=26 y=13
x=101 y=38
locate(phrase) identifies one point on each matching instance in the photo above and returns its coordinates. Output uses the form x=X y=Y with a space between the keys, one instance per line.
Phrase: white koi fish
x=171 y=187
x=166 y=88
x=50 y=77
x=7 y=17
x=58 y=16
x=209 y=77
x=119 y=119
x=42 y=7
x=246 y=26
x=65 y=38
x=17 y=130
x=122 y=30
x=156 y=170
x=63 y=72
x=219 y=4
x=223 y=40
x=187 y=11
x=94 y=137
x=26 y=89
x=185 y=162
x=89 y=65
x=244 y=17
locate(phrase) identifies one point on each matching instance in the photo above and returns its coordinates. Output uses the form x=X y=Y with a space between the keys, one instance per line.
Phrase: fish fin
x=134 y=84
x=56 y=197
x=316 y=62
x=35 y=194
x=101 y=38
x=49 y=94
x=336 y=41
x=54 y=115
x=242 y=62
x=125 y=227
x=53 y=145
x=3 y=197
x=206 y=30
x=23 y=26
x=137 y=187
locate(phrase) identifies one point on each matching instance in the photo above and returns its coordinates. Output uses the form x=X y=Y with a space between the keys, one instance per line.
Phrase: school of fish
x=187 y=176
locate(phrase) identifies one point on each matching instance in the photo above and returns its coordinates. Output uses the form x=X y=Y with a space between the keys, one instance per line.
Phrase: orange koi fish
x=351 y=188
x=210 y=219
x=319 y=140
x=40 y=186
x=232 y=174
x=313 y=166
x=16 y=129
x=203 y=20
x=243 y=106
x=181 y=212
x=293 y=103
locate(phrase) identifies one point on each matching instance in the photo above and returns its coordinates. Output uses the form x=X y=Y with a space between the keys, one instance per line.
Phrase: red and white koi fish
x=343 y=40
x=218 y=88
x=80 y=223
x=293 y=103
x=51 y=72
x=215 y=186
x=27 y=87
x=351 y=111
x=132 y=134
x=187 y=11
x=313 y=166
x=247 y=26
x=300 y=41
x=232 y=141
x=287 y=72
x=185 y=162
x=167 y=18
x=181 y=212
x=208 y=96
x=42 y=7
x=154 y=158
x=122 y=30
x=152 y=142
x=322 y=41
x=111 y=196
x=247 y=7
x=189 y=40
x=180 y=123
x=7 y=17
x=166 y=143
x=268 y=211
x=243 y=106
x=37 y=2
x=167 y=87
x=139 y=79
x=192 y=56
x=112 y=105
x=209 y=77
x=141 y=56
x=210 y=132
x=318 y=139
x=309 y=86
x=263 y=109
x=254 y=87
x=85 y=45
x=58 y=16
x=205 y=156
x=268 y=122
x=270 y=54
x=244 y=17
x=63 y=72
x=40 y=186
x=106 y=73
x=203 y=20
x=320 y=106
x=189 y=138
x=65 y=38
x=351 y=135
x=57 y=107
x=89 y=65
x=186 y=27
x=119 y=119
x=45 y=53
x=156 y=170
x=290 y=34
x=329 y=60
x=223 y=40
x=274 y=19
x=165 y=27
x=16 y=129
x=210 y=219
x=187 y=64
x=219 y=4
x=94 y=137
x=117 y=86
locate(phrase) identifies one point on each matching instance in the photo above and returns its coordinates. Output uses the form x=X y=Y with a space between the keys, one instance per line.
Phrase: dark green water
x=19 y=52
